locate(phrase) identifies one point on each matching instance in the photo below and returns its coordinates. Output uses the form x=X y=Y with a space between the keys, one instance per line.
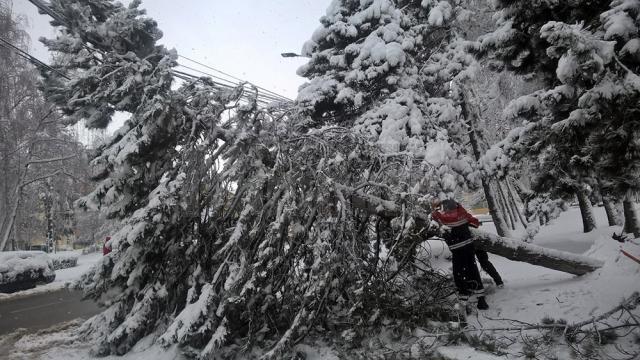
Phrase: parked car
x=21 y=270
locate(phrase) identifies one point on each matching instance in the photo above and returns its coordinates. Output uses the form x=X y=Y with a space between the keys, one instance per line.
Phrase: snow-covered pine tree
x=384 y=69
x=388 y=73
x=587 y=53
x=239 y=231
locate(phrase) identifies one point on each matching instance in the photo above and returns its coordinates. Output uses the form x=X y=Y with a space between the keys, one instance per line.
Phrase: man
x=465 y=271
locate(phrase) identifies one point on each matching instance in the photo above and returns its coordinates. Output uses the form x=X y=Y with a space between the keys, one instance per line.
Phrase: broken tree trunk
x=517 y=250
x=509 y=248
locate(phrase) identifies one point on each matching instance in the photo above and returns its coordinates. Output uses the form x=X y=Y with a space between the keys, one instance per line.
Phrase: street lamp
x=290 y=55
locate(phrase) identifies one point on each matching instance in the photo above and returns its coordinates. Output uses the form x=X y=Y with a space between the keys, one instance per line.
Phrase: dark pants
x=487 y=266
x=465 y=272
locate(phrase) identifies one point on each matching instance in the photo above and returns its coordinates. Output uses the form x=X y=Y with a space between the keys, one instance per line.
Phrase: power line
x=261 y=98
x=25 y=55
x=46 y=9
x=231 y=76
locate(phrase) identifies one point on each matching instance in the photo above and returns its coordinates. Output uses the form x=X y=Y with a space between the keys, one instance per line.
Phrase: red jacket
x=456 y=217
x=106 y=249
x=459 y=221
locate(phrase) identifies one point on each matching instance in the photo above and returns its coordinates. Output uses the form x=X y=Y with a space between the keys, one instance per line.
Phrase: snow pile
x=64 y=259
x=62 y=342
x=23 y=269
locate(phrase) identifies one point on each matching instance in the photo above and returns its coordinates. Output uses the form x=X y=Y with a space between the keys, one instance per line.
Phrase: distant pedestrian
x=465 y=271
x=106 y=248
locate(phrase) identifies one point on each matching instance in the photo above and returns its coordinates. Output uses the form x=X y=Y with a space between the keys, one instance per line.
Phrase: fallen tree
x=511 y=249
x=516 y=250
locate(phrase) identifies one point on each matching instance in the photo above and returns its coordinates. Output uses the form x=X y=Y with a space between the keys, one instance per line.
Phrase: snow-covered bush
x=21 y=270
x=64 y=259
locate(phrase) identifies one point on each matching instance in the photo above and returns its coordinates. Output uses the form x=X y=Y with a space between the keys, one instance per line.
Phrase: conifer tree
x=396 y=72
x=588 y=52
x=224 y=256
x=384 y=70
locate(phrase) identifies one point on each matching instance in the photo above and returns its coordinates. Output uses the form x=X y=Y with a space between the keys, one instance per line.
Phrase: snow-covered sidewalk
x=64 y=277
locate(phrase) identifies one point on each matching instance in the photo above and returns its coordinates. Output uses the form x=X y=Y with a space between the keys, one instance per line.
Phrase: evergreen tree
x=384 y=69
x=587 y=52
x=223 y=256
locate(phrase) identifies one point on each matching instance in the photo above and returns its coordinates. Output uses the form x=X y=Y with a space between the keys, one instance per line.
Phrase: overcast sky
x=241 y=37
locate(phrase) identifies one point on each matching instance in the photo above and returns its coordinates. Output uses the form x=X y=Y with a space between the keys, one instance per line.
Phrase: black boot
x=482 y=303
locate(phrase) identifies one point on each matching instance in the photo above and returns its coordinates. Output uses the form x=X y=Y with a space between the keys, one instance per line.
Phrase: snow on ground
x=64 y=278
x=61 y=343
x=465 y=353
x=531 y=293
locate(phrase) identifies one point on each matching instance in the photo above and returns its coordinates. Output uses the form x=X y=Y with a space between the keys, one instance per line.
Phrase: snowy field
x=64 y=277
x=531 y=293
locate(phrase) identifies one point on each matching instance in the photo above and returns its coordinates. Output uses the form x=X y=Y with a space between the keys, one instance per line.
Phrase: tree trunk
x=588 y=220
x=631 y=225
x=505 y=207
x=609 y=206
x=498 y=219
x=489 y=195
x=610 y=210
x=515 y=205
x=517 y=250
x=48 y=210
x=4 y=238
x=509 y=248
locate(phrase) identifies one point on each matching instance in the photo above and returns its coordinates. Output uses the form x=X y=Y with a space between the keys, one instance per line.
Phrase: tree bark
x=588 y=220
x=517 y=250
x=511 y=249
x=609 y=206
x=631 y=225
x=610 y=210
x=489 y=195
x=505 y=207
x=515 y=205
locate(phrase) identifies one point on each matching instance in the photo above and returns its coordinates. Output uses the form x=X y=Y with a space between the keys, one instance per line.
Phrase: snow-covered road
x=42 y=310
